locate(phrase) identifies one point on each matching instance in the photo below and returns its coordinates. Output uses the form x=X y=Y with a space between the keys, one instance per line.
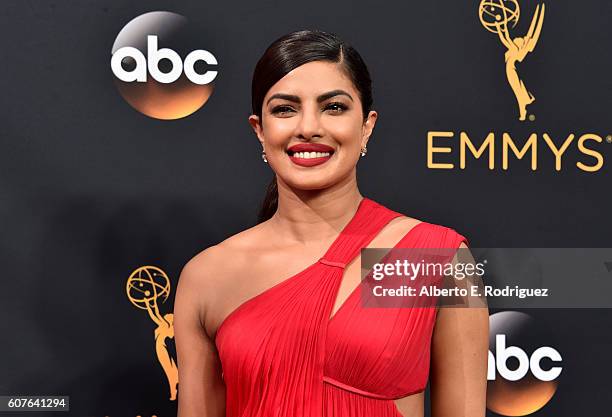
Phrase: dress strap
x=370 y=219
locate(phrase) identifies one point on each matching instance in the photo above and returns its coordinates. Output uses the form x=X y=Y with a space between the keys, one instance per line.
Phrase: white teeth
x=308 y=155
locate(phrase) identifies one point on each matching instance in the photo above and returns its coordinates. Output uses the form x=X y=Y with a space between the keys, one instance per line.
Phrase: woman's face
x=315 y=104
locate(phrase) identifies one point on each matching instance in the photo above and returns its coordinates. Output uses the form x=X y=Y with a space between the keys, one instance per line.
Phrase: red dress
x=283 y=356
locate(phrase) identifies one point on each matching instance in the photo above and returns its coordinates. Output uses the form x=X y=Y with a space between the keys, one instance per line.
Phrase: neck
x=305 y=216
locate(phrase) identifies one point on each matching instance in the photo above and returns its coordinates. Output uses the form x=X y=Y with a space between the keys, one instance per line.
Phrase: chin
x=310 y=185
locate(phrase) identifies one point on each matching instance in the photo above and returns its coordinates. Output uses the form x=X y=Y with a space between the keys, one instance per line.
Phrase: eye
x=336 y=107
x=281 y=110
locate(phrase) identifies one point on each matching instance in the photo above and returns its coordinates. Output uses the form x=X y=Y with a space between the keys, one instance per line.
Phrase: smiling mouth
x=309 y=159
x=309 y=155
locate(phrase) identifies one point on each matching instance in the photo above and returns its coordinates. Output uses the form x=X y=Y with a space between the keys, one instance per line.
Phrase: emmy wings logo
x=145 y=287
x=499 y=148
x=496 y=16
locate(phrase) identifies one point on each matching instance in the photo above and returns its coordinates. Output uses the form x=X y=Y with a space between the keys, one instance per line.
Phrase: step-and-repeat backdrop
x=126 y=151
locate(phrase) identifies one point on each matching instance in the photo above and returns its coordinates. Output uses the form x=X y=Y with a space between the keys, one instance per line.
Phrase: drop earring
x=364 y=150
x=263 y=156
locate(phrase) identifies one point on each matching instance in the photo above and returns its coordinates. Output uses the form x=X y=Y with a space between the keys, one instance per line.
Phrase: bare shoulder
x=212 y=265
x=402 y=225
x=245 y=240
x=405 y=223
x=209 y=274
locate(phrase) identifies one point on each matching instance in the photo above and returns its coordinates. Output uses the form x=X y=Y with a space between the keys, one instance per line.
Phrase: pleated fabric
x=282 y=355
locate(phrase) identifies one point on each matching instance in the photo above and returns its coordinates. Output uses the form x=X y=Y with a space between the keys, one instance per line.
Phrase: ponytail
x=270 y=202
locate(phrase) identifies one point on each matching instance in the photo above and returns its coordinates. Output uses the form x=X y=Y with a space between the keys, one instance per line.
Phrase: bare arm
x=201 y=388
x=459 y=362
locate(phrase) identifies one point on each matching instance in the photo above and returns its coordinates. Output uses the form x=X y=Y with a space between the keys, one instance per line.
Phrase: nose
x=309 y=124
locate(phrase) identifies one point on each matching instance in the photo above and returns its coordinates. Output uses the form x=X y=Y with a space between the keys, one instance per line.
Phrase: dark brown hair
x=291 y=51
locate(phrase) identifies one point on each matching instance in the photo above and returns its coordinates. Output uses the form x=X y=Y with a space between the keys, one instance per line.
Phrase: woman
x=269 y=322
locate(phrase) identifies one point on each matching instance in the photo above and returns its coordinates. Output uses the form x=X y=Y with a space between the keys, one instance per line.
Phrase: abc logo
x=522 y=370
x=155 y=55
x=150 y=73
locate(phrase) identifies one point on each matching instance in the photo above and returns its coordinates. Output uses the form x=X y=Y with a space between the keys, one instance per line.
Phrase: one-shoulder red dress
x=282 y=355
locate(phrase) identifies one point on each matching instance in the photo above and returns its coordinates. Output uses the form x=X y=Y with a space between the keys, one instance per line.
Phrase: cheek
x=278 y=131
x=345 y=132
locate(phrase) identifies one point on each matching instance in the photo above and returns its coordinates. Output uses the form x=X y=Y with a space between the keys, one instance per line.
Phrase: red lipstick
x=300 y=154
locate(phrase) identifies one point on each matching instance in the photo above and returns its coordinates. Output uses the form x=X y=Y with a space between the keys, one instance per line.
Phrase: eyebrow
x=321 y=98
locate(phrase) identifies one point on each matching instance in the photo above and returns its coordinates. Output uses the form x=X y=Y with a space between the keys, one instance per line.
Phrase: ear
x=255 y=123
x=368 y=127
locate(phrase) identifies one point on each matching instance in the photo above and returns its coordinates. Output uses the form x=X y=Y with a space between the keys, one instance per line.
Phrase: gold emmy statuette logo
x=495 y=16
x=144 y=287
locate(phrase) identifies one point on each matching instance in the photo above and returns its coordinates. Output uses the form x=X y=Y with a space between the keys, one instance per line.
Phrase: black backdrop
x=92 y=189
